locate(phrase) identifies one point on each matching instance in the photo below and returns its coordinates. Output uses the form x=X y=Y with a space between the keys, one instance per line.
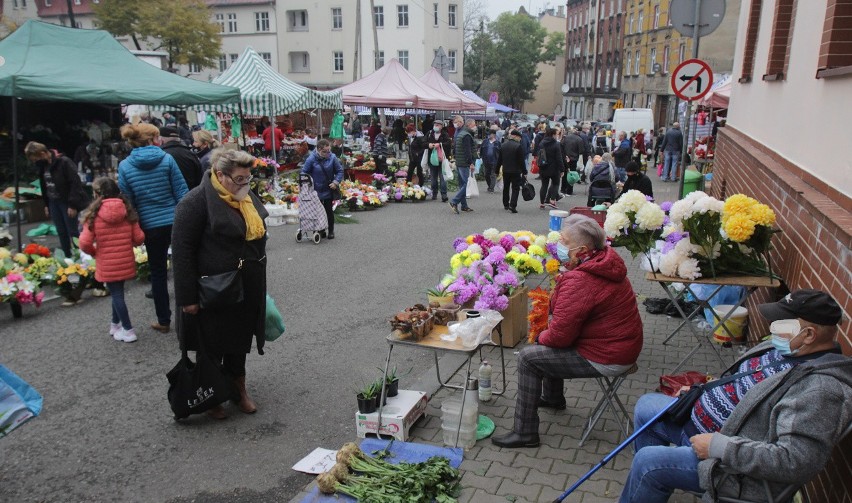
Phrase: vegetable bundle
x=374 y=480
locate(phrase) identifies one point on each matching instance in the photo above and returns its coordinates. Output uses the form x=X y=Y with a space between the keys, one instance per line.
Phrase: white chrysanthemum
x=669 y=263
x=615 y=221
x=474 y=248
x=618 y=207
x=688 y=269
x=541 y=241
x=650 y=217
x=668 y=230
x=681 y=210
x=553 y=237
x=695 y=196
x=707 y=204
x=633 y=200
x=685 y=248
x=491 y=234
x=717 y=250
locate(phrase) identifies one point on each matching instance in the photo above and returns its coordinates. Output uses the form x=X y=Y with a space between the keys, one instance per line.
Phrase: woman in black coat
x=218 y=226
x=550 y=171
x=416 y=147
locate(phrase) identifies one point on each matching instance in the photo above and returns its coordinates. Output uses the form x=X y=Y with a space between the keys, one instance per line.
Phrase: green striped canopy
x=265 y=92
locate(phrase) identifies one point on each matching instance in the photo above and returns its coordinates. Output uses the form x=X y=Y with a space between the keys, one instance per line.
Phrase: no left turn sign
x=692 y=79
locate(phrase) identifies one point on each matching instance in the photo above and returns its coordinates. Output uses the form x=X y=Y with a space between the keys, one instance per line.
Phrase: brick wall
x=813 y=251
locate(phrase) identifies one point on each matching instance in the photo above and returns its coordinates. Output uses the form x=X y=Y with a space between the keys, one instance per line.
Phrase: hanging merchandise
x=336 y=130
x=236 y=126
x=210 y=123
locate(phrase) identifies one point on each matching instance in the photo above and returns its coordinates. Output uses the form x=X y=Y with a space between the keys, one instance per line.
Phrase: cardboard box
x=398 y=416
x=516 y=325
x=32 y=210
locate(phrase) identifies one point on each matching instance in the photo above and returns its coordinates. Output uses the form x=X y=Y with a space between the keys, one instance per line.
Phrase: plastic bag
x=728 y=295
x=274 y=322
x=472 y=188
x=433 y=157
x=476 y=331
x=447 y=170
x=19 y=402
x=477 y=166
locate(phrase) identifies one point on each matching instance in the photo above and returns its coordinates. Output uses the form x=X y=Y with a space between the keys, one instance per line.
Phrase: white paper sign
x=318 y=461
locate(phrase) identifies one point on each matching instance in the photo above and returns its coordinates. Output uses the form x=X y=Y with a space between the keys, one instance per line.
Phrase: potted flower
x=16 y=286
x=392 y=381
x=440 y=295
x=367 y=398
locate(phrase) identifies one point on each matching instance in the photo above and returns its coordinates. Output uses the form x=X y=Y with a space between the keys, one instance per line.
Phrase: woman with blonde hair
x=219 y=228
x=203 y=144
x=152 y=181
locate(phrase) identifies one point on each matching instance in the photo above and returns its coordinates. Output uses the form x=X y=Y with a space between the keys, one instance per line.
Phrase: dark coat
x=416 y=147
x=639 y=182
x=573 y=146
x=188 y=163
x=209 y=238
x=443 y=139
x=555 y=161
x=512 y=155
x=600 y=185
x=323 y=172
x=622 y=154
x=67 y=182
x=672 y=141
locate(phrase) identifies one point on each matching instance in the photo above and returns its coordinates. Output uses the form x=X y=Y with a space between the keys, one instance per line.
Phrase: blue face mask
x=563 y=252
x=782 y=343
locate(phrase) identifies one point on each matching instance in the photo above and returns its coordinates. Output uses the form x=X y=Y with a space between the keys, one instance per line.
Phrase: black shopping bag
x=527 y=191
x=195 y=387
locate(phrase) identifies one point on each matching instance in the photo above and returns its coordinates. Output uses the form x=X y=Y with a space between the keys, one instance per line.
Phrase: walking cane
x=612 y=454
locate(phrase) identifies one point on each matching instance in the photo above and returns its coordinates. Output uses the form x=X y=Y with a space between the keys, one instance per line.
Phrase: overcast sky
x=496 y=7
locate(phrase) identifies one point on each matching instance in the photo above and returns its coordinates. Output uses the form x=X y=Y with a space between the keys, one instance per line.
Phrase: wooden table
x=750 y=283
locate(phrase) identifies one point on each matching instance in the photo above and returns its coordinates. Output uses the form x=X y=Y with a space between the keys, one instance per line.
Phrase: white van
x=632 y=119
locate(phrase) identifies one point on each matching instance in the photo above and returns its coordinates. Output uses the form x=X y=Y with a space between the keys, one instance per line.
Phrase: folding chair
x=610 y=401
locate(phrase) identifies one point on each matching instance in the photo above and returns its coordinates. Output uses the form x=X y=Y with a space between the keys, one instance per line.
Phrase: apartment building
x=593 y=58
x=547 y=98
x=318 y=40
x=653 y=49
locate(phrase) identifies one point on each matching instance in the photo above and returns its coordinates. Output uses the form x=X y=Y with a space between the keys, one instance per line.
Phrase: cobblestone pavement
x=493 y=474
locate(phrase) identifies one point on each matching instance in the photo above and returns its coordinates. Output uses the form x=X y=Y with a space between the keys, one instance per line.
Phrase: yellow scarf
x=254 y=224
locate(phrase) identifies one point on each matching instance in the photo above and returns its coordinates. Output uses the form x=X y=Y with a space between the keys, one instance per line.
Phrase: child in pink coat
x=110 y=231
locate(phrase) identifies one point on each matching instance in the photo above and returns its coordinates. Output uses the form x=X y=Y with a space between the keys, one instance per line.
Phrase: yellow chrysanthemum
x=738 y=204
x=739 y=227
x=552 y=266
x=762 y=214
x=469 y=239
x=21 y=259
x=456 y=261
x=4 y=253
x=537 y=250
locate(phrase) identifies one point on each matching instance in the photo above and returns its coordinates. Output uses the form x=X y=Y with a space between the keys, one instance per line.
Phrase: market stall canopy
x=719 y=96
x=496 y=106
x=266 y=92
x=434 y=80
x=42 y=61
x=393 y=86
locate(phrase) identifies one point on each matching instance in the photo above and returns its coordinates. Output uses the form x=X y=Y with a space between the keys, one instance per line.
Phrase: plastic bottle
x=485 y=381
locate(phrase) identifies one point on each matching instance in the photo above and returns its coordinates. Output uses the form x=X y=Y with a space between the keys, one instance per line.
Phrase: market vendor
x=416 y=147
x=594 y=328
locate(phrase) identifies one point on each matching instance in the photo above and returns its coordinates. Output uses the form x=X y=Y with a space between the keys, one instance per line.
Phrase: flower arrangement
x=359 y=196
x=143 y=268
x=407 y=191
x=35 y=250
x=635 y=223
x=16 y=285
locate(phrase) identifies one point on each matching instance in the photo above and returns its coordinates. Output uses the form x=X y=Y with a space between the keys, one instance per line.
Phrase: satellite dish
x=565 y=88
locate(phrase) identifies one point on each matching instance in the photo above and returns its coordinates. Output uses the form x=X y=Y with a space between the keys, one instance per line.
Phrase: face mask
x=436 y=129
x=563 y=252
x=780 y=330
x=242 y=193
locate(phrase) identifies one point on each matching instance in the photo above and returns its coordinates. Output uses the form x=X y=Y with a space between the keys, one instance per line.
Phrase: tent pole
x=242 y=126
x=15 y=168
x=219 y=127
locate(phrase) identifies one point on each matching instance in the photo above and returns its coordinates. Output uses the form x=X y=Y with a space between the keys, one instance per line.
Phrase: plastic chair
x=610 y=401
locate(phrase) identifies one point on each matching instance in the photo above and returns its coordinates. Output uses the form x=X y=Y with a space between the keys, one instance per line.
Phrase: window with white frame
x=615 y=77
x=641 y=26
x=267 y=57
x=649 y=102
x=232 y=22
x=76 y=2
x=656 y=17
x=665 y=60
x=337 y=58
x=380 y=59
x=233 y=57
x=652 y=60
x=451 y=59
x=628 y=62
x=220 y=20
x=435 y=14
x=451 y=15
x=379 y=16
x=194 y=68
x=48 y=3
x=402 y=15
x=606 y=80
x=300 y=62
x=337 y=18
x=636 y=64
x=630 y=26
x=261 y=21
x=297 y=20
x=402 y=57
x=682 y=53
x=223 y=62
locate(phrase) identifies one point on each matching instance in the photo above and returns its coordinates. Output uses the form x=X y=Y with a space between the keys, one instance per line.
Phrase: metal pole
x=15 y=168
x=688 y=127
x=357 y=63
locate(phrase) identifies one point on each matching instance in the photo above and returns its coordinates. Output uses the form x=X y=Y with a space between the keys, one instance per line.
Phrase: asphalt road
x=106 y=432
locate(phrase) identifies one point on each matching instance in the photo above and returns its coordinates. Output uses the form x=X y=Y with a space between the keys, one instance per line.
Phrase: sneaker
x=114 y=328
x=552 y=205
x=125 y=335
x=541 y=206
x=99 y=292
x=513 y=210
x=455 y=208
x=444 y=199
x=467 y=210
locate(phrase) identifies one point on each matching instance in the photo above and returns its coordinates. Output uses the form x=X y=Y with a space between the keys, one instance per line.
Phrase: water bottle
x=485 y=381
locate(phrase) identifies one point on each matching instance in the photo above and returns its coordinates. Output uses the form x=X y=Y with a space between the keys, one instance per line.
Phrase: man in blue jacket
x=672 y=146
x=489 y=152
x=465 y=156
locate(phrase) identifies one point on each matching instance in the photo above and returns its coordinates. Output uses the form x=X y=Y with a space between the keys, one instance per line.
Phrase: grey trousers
x=541 y=373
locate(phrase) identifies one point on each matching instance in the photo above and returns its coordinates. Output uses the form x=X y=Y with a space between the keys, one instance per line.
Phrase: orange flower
x=538 y=313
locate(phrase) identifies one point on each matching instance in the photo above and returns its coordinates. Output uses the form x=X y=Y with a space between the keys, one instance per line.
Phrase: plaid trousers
x=541 y=371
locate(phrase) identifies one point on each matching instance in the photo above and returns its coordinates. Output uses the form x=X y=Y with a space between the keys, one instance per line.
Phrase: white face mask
x=242 y=193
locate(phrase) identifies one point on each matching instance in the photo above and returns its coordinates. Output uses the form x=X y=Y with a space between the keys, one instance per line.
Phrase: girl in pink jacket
x=110 y=231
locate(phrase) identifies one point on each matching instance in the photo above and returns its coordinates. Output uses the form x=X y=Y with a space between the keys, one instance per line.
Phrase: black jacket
x=555 y=161
x=639 y=182
x=190 y=166
x=512 y=156
x=443 y=139
x=416 y=146
x=573 y=146
x=672 y=141
x=67 y=182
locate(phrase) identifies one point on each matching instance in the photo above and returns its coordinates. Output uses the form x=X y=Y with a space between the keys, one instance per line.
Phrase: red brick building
x=787 y=144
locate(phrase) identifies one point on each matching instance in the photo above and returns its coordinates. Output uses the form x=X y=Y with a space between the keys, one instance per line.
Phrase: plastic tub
x=736 y=323
x=556 y=218
x=467 y=436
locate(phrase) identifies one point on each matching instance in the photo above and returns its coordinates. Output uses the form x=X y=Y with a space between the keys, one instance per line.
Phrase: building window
x=233 y=57
x=652 y=60
x=666 y=60
x=337 y=18
x=337 y=56
x=261 y=21
x=681 y=53
x=435 y=14
x=380 y=59
x=656 y=17
x=297 y=20
x=300 y=62
x=402 y=57
x=750 y=40
x=636 y=66
x=451 y=59
x=615 y=78
x=194 y=68
x=782 y=34
x=267 y=57
x=76 y=2
x=649 y=102
x=220 y=20
x=402 y=15
x=223 y=62
x=379 y=16
x=451 y=15
x=78 y=25
x=628 y=62
x=48 y=3
x=232 y=22
x=834 y=52
x=630 y=26
x=641 y=26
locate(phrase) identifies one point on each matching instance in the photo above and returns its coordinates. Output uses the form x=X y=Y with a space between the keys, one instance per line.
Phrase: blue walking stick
x=615 y=452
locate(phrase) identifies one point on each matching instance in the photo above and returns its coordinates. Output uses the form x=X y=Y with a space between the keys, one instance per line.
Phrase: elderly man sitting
x=776 y=422
x=594 y=329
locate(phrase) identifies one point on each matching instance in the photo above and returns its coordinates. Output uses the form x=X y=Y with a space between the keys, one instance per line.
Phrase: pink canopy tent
x=434 y=80
x=393 y=86
x=718 y=97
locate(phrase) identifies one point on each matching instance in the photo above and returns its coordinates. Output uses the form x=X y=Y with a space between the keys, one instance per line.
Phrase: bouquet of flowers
x=143 y=268
x=379 y=180
x=635 y=223
x=16 y=285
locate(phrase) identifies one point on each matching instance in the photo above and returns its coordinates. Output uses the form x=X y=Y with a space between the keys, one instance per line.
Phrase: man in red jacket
x=594 y=329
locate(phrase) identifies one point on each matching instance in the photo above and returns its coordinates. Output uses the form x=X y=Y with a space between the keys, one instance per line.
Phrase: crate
x=598 y=216
x=398 y=416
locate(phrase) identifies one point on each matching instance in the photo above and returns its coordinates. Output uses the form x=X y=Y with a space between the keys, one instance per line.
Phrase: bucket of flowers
x=17 y=287
x=73 y=275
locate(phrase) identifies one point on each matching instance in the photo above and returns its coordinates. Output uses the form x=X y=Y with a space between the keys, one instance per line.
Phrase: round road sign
x=682 y=16
x=692 y=79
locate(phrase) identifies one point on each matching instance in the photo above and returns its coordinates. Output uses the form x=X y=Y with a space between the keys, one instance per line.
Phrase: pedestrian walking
x=380 y=150
x=671 y=147
x=416 y=147
x=514 y=170
x=188 y=163
x=573 y=146
x=489 y=152
x=439 y=146
x=550 y=167
x=110 y=231
x=465 y=156
x=327 y=173
x=202 y=145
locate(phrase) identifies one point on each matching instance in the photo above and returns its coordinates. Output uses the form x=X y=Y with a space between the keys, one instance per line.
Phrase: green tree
x=181 y=28
x=516 y=44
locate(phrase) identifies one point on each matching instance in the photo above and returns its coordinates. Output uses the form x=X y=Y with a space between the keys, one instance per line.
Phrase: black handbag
x=527 y=191
x=221 y=290
x=196 y=387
